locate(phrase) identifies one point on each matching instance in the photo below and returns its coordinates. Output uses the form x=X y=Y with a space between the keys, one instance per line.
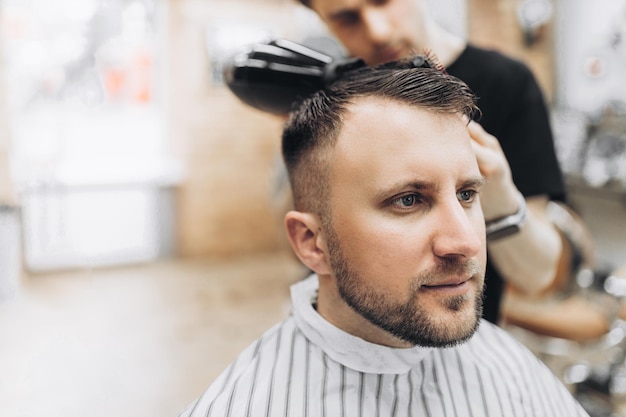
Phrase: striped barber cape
x=307 y=367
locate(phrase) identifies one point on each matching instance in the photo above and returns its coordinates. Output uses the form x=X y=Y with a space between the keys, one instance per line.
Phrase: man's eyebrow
x=404 y=186
x=475 y=182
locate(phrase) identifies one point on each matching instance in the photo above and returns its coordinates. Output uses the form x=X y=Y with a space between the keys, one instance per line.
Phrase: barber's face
x=406 y=243
x=375 y=30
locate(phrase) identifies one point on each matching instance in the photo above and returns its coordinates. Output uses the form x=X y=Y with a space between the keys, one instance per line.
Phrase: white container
x=10 y=253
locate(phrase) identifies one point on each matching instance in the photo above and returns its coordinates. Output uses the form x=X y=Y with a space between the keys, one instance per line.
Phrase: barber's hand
x=499 y=195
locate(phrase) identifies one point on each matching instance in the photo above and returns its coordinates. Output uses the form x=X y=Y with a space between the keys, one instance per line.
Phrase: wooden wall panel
x=230 y=151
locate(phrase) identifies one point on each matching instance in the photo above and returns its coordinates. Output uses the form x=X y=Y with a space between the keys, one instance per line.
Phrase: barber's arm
x=526 y=251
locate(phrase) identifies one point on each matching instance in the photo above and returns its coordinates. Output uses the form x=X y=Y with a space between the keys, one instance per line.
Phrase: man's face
x=406 y=240
x=376 y=30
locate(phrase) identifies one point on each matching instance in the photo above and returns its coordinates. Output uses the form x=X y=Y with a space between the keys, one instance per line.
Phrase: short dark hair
x=314 y=125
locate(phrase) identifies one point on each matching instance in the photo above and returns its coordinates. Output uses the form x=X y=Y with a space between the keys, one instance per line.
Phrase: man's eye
x=347 y=19
x=407 y=200
x=467 y=196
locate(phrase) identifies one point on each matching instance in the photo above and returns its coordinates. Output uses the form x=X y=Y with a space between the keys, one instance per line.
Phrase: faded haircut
x=313 y=127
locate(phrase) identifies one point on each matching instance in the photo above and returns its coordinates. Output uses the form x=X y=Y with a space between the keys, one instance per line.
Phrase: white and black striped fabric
x=306 y=367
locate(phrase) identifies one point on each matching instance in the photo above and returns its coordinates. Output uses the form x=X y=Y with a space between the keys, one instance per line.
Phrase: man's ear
x=308 y=241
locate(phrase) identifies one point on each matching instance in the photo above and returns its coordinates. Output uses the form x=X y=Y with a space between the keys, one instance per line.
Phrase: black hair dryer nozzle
x=275 y=75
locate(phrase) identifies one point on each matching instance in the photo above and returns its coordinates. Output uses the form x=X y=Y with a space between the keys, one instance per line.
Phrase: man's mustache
x=451 y=267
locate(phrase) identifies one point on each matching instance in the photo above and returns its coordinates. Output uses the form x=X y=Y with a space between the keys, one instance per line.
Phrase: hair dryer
x=275 y=75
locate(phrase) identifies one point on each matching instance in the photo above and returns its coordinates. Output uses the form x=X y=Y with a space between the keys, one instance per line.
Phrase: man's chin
x=450 y=306
x=453 y=330
x=455 y=321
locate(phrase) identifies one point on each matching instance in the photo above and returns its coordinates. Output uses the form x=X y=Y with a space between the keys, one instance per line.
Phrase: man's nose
x=458 y=232
x=377 y=25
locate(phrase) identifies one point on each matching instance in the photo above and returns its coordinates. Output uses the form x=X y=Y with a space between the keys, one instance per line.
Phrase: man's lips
x=449 y=287
x=450 y=282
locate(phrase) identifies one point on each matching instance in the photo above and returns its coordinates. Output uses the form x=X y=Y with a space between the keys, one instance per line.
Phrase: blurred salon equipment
x=10 y=254
x=590 y=130
x=578 y=326
x=90 y=163
x=581 y=336
x=532 y=17
x=603 y=154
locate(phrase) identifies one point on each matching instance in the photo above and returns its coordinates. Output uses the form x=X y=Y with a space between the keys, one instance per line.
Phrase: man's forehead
x=387 y=131
x=389 y=114
x=375 y=102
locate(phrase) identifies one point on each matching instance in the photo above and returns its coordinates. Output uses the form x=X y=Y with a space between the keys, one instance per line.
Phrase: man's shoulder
x=492 y=333
x=503 y=349
x=250 y=375
x=490 y=337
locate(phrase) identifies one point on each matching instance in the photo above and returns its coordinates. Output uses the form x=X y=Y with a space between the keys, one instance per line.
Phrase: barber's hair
x=314 y=125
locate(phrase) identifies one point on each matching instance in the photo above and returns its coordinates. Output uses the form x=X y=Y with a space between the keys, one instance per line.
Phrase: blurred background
x=141 y=245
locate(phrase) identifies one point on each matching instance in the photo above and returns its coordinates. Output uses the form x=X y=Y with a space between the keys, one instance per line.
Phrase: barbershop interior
x=142 y=244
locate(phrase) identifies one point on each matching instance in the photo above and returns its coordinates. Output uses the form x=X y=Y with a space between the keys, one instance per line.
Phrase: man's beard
x=408 y=321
